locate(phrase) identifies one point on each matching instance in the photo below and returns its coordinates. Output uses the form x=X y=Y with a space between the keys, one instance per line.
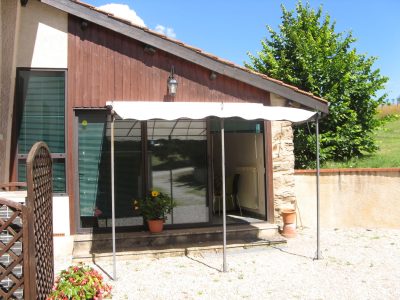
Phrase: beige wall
x=247 y=159
x=244 y=155
x=9 y=19
x=32 y=36
x=43 y=37
x=350 y=199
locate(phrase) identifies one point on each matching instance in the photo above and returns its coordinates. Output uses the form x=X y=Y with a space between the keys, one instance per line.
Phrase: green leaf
x=308 y=53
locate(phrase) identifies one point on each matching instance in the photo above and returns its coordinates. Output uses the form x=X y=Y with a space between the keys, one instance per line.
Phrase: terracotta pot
x=155 y=226
x=289 y=223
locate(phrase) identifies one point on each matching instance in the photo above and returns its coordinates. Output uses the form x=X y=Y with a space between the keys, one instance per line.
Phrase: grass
x=388 y=140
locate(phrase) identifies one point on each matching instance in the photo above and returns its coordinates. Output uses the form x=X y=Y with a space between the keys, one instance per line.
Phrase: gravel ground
x=355 y=264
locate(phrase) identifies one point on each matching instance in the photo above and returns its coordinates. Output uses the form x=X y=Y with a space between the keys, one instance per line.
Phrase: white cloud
x=124 y=12
x=168 y=31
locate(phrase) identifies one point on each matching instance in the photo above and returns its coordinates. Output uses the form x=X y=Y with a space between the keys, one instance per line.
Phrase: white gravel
x=356 y=264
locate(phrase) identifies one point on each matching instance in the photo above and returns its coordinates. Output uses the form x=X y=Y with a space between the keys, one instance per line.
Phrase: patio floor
x=357 y=264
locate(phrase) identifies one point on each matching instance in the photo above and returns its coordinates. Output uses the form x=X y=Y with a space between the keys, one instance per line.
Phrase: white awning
x=140 y=110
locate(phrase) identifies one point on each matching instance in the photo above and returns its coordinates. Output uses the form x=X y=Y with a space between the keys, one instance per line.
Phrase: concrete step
x=174 y=241
x=181 y=250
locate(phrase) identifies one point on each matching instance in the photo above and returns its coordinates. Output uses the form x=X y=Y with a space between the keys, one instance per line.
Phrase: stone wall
x=283 y=167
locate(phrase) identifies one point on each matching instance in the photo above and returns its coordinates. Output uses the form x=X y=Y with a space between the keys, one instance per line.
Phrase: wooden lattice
x=39 y=201
x=13 y=235
x=26 y=233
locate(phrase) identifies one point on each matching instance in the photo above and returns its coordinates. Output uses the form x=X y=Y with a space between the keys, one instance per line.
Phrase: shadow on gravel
x=101 y=268
x=203 y=263
x=291 y=253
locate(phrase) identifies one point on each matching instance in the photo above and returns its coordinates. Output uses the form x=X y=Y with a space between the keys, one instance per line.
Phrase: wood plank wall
x=104 y=65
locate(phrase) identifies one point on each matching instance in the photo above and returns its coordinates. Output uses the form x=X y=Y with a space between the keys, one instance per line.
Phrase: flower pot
x=289 y=223
x=155 y=226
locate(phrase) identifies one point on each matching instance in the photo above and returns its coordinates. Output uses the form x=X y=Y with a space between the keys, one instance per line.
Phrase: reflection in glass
x=94 y=144
x=178 y=166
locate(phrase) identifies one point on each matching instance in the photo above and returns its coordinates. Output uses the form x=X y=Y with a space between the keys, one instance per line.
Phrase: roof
x=187 y=52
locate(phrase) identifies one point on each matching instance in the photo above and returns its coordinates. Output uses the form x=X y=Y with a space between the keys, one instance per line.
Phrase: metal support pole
x=113 y=195
x=318 y=253
x=224 y=266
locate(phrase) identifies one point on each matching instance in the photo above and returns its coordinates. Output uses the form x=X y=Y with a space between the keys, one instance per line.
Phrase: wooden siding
x=104 y=65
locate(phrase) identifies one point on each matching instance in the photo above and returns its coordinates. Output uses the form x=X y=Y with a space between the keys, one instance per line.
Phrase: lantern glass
x=172 y=86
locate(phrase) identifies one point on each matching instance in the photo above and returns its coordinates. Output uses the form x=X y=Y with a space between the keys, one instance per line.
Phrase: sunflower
x=155 y=193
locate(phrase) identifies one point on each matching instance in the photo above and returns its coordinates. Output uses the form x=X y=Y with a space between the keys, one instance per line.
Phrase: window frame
x=18 y=116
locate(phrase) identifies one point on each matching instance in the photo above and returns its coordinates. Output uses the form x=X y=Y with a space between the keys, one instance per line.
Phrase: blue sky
x=229 y=29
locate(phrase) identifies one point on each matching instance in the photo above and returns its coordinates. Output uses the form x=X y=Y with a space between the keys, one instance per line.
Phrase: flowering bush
x=80 y=282
x=154 y=206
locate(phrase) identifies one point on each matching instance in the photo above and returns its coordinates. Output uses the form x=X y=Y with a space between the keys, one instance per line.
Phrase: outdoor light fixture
x=172 y=83
x=84 y=25
x=213 y=76
x=149 y=49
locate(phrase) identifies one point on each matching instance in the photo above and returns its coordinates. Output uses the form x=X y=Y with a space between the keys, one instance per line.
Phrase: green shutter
x=41 y=115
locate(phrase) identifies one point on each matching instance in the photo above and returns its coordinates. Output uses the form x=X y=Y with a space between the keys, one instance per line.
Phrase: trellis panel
x=40 y=203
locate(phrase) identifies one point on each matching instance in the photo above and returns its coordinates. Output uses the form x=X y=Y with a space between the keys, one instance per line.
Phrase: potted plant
x=80 y=282
x=154 y=208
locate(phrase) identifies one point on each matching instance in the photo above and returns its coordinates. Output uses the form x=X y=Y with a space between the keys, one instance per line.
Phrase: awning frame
x=221 y=110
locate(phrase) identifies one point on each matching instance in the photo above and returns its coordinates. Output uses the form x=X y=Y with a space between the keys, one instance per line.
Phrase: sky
x=231 y=29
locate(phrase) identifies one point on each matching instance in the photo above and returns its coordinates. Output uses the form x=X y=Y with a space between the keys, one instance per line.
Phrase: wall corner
x=283 y=167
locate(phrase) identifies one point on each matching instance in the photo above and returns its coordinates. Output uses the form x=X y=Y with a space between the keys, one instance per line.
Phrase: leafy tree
x=308 y=53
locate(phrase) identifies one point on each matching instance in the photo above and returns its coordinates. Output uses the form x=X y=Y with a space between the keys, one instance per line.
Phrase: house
x=63 y=60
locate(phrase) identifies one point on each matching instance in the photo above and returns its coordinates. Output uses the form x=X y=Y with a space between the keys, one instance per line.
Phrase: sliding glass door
x=177 y=155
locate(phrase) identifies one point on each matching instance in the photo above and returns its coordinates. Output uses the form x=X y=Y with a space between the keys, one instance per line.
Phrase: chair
x=235 y=191
x=231 y=192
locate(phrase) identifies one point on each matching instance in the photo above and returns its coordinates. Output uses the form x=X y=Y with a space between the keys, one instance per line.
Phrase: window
x=41 y=117
x=94 y=166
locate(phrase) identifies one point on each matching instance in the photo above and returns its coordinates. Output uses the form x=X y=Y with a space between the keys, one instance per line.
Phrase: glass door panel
x=94 y=166
x=177 y=153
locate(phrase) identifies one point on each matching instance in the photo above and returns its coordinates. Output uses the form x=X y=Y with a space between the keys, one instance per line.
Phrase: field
x=388 y=140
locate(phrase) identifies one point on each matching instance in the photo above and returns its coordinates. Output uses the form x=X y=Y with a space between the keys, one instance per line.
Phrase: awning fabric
x=140 y=110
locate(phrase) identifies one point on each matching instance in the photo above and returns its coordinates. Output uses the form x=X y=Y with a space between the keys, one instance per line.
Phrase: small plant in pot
x=154 y=209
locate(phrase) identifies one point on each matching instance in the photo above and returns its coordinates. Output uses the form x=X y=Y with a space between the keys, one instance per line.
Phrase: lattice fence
x=12 y=260
x=26 y=235
x=39 y=201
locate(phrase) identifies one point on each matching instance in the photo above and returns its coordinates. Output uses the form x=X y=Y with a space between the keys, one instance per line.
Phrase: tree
x=308 y=53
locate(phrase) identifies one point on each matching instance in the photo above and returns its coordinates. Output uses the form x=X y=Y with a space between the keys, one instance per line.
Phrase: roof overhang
x=188 y=53
x=144 y=110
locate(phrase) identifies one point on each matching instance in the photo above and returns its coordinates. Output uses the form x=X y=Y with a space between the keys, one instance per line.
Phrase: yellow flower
x=155 y=193
x=136 y=207
x=135 y=202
